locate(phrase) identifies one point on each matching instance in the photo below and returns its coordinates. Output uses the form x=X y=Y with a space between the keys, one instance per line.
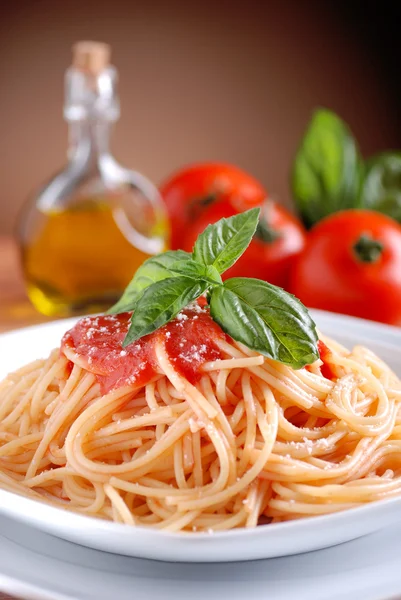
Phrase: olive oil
x=87 y=231
x=79 y=261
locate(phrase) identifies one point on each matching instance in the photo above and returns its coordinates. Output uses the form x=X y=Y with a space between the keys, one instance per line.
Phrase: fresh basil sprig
x=260 y=315
x=327 y=171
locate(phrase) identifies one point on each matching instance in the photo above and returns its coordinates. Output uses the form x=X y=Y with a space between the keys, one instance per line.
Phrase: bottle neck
x=89 y=140
x=91 y=107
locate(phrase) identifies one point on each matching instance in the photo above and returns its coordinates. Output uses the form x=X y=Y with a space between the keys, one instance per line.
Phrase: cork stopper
x=91 y=57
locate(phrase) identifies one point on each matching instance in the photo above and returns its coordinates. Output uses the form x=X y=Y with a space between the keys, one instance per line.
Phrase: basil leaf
x=222 y=243
x=153 y=269
x=161 y=302
x=193 y=269
x=266 y=319
x=213 y=275
x=381 y=188
x=327 y=169
x=189 y=268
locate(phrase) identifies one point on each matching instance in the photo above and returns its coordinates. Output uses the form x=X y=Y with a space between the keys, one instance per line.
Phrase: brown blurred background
x=227 y=80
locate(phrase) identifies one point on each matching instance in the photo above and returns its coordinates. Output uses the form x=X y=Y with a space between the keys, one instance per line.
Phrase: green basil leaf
x=193 y=269
x=327 y=170
x=188 y=268
x=152 y=270
x=213 y=275
x=222 y=243
x=160 y=303
x=266 y=319
x=381 y=188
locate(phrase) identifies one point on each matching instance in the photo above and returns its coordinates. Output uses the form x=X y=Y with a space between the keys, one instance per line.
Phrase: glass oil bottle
x=90 y=227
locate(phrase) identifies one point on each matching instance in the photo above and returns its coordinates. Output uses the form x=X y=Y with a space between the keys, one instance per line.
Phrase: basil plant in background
x=329 y=174
x=381 y=188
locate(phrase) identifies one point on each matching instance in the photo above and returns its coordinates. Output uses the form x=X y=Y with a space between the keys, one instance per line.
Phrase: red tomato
x=195 y=189
x=352 y=265
x=278 y=239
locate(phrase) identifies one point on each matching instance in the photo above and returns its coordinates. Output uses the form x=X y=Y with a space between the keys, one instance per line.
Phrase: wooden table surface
x=15 y=308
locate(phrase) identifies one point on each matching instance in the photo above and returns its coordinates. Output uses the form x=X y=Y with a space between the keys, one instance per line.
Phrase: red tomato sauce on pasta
x=325 y=356
x=190 y=341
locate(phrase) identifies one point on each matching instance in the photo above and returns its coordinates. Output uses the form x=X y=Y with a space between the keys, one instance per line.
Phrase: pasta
x=249 y=441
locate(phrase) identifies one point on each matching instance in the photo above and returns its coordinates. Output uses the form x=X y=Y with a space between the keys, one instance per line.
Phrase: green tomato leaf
x=266 y=319
x=161 y=302
x=222 y=243
x=152 y=270
x=327 y=170
x=381 y=188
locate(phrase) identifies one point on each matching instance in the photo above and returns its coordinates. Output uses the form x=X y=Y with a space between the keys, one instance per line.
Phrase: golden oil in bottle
x=79 y=261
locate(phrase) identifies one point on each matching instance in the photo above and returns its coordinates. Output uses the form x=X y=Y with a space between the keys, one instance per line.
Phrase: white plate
x=267 y=541
x=36 y=566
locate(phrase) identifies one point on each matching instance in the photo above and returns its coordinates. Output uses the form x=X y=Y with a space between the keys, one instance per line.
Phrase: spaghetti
x=189 y=430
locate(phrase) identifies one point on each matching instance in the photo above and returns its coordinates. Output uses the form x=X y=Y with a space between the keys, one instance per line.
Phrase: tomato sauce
x=325 y=354
x=190 y=341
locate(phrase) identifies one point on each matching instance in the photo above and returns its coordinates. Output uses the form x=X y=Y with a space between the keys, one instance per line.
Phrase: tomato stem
x=265 y=233
x=367 y=249
x=196 y=205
